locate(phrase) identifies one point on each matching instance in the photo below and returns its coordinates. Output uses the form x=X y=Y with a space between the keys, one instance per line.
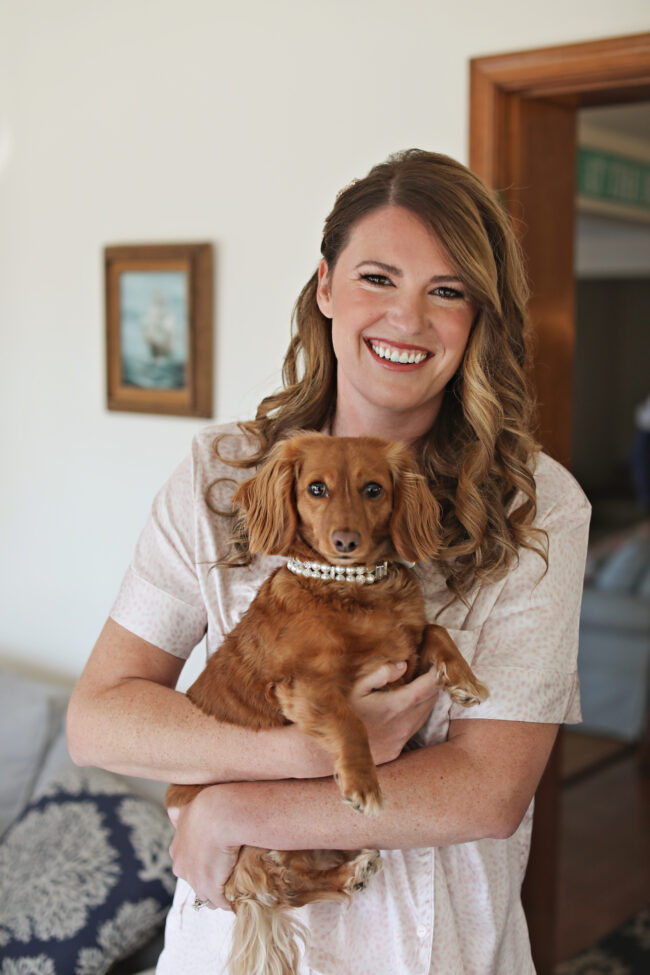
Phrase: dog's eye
x=317 y=489
x=373 y=490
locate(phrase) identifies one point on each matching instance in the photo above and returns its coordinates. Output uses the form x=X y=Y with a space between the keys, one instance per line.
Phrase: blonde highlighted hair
x=477 y=456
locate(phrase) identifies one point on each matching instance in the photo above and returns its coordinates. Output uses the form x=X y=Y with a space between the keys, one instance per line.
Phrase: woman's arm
x=125 y=716
x=477 y=784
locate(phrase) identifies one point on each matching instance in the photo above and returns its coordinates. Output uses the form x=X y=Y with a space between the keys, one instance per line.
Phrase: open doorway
x=602 y=758
x=611 y=412
x=611 y=422
x=524 y=120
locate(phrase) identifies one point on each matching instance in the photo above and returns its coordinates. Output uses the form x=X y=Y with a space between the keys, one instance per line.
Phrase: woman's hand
x=392 y=716
x=203 y=852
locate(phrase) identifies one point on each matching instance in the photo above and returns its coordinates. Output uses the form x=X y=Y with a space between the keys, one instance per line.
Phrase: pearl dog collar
x=339 y=573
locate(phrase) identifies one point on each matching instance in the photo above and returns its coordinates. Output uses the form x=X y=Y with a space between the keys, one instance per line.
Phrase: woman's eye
x=379 y=279
x=317 y=489
x=449 y=293
x=373 y=490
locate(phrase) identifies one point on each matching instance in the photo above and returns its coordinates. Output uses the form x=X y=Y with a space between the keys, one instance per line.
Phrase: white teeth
x=394 y=355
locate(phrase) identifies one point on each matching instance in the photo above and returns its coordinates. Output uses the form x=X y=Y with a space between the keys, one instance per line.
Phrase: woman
x=413 y=329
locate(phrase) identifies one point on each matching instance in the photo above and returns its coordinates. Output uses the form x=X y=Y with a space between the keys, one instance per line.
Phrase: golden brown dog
x=339 y=508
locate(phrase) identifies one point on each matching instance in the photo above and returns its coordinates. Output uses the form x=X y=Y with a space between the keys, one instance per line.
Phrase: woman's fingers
x=392 y=715
x=209 y=879
x=198 y=851
x=385 y=674
x=423 y=690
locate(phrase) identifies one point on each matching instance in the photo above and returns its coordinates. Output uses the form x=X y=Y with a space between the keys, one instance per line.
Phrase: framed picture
x=159 y=328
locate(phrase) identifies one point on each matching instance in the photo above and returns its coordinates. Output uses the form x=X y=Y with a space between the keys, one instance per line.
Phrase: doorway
x=523 y=122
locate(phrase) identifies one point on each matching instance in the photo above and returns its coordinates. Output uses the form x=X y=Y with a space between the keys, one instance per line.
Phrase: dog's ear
x=415 y=521
x=268 y=502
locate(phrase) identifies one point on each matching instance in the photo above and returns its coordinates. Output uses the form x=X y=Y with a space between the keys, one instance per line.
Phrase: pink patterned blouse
x=452 y=910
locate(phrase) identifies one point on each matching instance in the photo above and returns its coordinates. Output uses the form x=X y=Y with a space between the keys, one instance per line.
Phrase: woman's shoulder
x=218 y=443
x=558 y=492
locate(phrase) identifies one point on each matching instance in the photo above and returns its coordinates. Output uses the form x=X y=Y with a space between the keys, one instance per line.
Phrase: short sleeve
x=160 y=598
x=526 y=650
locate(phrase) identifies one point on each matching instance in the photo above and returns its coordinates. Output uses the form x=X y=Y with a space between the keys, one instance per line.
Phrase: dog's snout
x=346 y=542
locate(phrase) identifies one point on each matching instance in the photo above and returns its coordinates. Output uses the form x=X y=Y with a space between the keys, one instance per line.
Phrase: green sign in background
x=610 y=178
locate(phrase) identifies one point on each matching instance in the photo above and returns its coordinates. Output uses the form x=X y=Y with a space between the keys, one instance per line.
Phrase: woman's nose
x=408 y=311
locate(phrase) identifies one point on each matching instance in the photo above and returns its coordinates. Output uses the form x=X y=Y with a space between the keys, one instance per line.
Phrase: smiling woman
x=419 y=258
x=400 y=323
x=412 y=328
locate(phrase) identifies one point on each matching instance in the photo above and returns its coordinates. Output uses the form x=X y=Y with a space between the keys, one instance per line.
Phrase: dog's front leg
x=322 y=711
x=454 y=673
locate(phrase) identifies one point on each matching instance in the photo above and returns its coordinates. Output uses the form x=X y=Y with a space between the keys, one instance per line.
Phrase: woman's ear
x=267 y=501
x=415 y=521
x=323 y=294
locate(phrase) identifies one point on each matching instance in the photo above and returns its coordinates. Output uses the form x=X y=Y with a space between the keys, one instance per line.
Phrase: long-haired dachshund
x=342 y=510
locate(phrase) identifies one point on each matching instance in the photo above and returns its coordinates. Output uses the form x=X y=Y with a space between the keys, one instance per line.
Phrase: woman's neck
x=389 y=424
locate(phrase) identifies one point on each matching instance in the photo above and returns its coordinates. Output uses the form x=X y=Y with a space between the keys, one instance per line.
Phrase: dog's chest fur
x=345 y=630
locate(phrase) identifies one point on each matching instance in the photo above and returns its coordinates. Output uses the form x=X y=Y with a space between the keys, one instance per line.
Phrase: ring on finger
x=198 y=903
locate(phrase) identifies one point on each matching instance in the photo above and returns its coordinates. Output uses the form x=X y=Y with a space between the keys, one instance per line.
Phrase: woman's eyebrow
x=391 y=269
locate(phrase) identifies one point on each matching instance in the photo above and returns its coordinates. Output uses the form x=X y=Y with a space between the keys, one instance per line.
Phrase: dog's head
x=352 y=500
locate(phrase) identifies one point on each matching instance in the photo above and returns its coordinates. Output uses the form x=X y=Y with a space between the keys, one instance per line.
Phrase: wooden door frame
x=503 y=90
x=599 y=72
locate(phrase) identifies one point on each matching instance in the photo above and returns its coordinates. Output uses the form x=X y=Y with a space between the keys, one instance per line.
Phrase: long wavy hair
x=477 y=455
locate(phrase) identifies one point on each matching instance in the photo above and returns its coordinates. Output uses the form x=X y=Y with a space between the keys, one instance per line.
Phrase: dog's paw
x=361 y=791
x=464 y=689
x=363 y=867
x=469 y=694
x=370 y=804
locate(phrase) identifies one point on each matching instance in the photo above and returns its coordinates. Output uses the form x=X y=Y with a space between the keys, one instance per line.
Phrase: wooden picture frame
x=159 y=319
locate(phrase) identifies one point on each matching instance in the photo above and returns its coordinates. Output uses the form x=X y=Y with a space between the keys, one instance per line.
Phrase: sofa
x=614 y=655
x=85 y=872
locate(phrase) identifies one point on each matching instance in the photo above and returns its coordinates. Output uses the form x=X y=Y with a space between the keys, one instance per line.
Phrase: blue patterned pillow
x=85 y=877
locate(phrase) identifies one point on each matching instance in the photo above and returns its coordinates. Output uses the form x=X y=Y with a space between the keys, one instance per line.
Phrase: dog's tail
x=265 y=939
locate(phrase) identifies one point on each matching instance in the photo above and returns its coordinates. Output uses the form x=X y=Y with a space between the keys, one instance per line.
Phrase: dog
x=342 y=510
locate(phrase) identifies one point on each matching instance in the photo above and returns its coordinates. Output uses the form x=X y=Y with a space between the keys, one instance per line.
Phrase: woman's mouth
x=396 y=353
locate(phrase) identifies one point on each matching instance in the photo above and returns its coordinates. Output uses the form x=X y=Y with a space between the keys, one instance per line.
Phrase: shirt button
x=421 y=931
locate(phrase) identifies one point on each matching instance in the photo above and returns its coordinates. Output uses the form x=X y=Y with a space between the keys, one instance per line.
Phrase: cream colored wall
x=195 y=120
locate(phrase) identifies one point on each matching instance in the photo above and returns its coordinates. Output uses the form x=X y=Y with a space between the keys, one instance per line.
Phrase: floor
x=605 y=840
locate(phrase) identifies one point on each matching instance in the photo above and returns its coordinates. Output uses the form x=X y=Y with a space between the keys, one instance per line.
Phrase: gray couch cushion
x=615 y=611
x=625 y=568
x=30 y=717
x=85 y=876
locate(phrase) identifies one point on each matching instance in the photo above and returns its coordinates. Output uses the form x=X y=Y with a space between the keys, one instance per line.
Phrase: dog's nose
x=345 y=542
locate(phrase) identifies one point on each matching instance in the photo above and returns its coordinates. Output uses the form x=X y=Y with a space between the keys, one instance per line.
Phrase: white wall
x=135 y=120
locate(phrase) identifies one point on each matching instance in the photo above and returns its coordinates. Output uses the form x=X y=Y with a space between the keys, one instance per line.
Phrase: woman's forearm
x=429 y=801
x=150 y=731
x=125 y=716
x=478 y=784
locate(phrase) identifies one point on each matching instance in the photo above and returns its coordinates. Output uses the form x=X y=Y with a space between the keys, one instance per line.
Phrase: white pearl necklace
x=340 y=573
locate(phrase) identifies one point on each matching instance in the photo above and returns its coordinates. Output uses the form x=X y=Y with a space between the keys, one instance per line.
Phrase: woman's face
x=401 y=319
